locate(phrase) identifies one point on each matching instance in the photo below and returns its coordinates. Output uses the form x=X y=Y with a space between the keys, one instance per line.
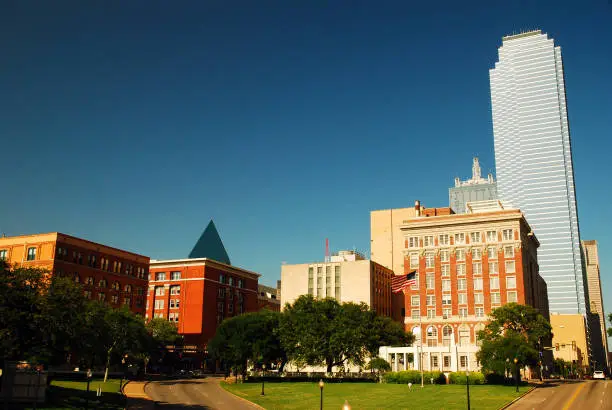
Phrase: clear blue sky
x=132 y=123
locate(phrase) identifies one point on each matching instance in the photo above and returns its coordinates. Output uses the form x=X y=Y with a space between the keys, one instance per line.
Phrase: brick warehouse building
x=199 y=292
x=467 y=265
x=112 y=275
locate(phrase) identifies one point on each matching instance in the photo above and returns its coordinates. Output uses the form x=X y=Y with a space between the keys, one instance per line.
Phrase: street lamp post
x=467 y=383
x=263 y=374
x=517 y=373
x=321 y=384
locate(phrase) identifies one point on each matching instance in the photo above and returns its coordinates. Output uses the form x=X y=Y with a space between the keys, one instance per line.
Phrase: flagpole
x=421 y=342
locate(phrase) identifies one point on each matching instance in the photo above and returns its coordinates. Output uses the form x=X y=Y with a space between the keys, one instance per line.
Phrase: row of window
x=161 y=291
x=430 y=283
x=230 y=310
x=511 y=296
x=176 y=275
x=460 y=256
x=222 y=292
x=160 y=304
x=229 y=280
x=92 y=261
x=325 y=279
x=460 y=270
x=114 y=299
x=446 y=360
x=103 y=283
x=459 y=238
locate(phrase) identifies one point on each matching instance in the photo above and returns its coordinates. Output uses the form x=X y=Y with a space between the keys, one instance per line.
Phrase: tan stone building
x=344 y=278
x=569 y=339
x=599 y=339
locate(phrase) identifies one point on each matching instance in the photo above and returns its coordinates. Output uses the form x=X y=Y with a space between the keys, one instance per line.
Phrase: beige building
x=598 y=315
x=346 y=278
x=386 y=239
x=569 y=338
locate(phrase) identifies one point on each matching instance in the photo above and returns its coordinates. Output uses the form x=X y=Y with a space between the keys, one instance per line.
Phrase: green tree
x=163 y=331
x=515 y=331
x=378 y=363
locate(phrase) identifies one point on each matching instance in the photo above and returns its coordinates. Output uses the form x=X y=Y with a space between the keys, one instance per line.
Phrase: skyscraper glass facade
x=534 y=159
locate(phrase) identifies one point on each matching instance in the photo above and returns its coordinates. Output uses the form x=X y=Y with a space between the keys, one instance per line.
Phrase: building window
x=446 y=313
x=328 y=281
x=460 y=255
x=230 y=308
x=127 y=288
x=446 y=285
x=230 y=281
x=476 y=254
x=511 y=282
x=160 y=276
x=159 y=304
x=445 y=270
x=430 y=260
x=462 y=298
x=89 y=280
x=477 y=283
x=31 y=254
x=431 y=313
x=115 y=286
x=416 y=313
x=446 y=299
x=311 y=280
x=159 y=291
x=127 y=301
x=175 y=290
x=510 y=267
x=221 y=278
x=337 y=282
x=478 y=298
x=477 y=268
x=103 y=263
x=221 y=292
x=101 y=297
x=430 y=280
x=509 y=251
x=444 y=240
x=77 y=278
x=459 y=238
x=413 y=242
x=495 y=298
x=3 y=254
x=494 y=282
x=87 y=294
x=491 y=236
x=102 y=283
x=431 y=300
x=91 y=260
x=416 y=283
x=432 y=336
x=447 y=359
x=240 y=283
x=463 y=312
x=479 y=311
x=475 y=237
x=512 y=296
x=507 y=235
x=493 y=268
x=463 y=361
x=414 y=260
x=461 y=269
x=114 y=299
x=428 y=240
x=415 y=300
x=320 y=282
x=461 y=284
x=491 y=253
x=171 y=303
x=444 y=255
x=175 y=275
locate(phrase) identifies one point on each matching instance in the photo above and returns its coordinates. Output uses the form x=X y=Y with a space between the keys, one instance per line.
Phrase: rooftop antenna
x=327 y=257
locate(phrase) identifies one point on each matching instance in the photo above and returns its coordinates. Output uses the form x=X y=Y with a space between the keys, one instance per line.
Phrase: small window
x=511 y=282
x=477 y=268
x=444 y=255
x=431 y=300
x=428 y=240
x=415 y=300
x=494 y=282
x=175 y=290
x=475 y=237
x=159 y=304
x=446 y=285
x=240 y=283
x=221 y=292
x=508 y=235
x=491 y=236
x=459 y=238
x=159 y=291
x=127 y=288
x=463 y=360
x=446 y=313
x=160 y=276
x=493 y=268
x=430 y=260
x=461 y=284
x=102 y=283
x=510 y=267
x=430 y=280
x=175 y=275
x=445 y=270
x=221 y=278
x=444 y=240
x=461 y=269
x=509 y=251
x=114 y=299
x=431 y=313
x=476 y=254
x=446 y=300
x=463 y=312
x=31 y=254
x=413 y=242
x=101 y=296
x=414 y=260
x=512 y=296
x=460 y=254
x=495 y=298
x=462 y=298
x=491 y=253
x=478 y=298
x=416 y=313
x=127 y=301
x=477 y=283
x=479 y=312
x=3 y=254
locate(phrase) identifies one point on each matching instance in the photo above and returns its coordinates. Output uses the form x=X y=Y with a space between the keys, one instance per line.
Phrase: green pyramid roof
x=210 y=246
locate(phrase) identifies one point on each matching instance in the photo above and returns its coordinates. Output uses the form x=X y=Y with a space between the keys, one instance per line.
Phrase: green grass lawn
x=71 y=395
x=374 y=396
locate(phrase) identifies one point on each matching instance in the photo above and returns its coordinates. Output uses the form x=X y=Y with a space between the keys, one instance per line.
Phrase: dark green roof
x=210 y=246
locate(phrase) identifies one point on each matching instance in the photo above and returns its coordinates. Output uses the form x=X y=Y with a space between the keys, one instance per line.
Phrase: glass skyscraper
x=534 y=159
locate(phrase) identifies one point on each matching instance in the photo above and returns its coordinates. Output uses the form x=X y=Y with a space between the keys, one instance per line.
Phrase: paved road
x=196 y=394
x=590 y=395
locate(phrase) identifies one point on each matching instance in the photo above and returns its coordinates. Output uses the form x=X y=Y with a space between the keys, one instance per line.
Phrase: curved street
x=591 y=395
x=194 y=394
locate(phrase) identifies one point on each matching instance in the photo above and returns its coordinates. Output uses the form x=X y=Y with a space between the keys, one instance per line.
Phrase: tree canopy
x=515 y=331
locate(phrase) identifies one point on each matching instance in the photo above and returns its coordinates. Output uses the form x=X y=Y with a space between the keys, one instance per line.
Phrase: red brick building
x=197 y=294
x=112 y=275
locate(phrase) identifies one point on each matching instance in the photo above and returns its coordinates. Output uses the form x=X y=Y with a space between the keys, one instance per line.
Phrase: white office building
x=534 y=159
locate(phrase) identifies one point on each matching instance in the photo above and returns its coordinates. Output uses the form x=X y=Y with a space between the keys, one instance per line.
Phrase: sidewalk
x=137 y=399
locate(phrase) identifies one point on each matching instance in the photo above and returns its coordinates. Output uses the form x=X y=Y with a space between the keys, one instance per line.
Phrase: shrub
x=414 y=377
x=460 y=378
x=495 y=378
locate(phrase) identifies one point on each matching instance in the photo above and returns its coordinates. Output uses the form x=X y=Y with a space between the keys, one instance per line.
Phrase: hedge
x=414 y=377
x=460 y=378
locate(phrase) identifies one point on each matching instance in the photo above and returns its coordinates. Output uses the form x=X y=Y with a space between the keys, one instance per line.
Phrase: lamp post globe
x=517 y=374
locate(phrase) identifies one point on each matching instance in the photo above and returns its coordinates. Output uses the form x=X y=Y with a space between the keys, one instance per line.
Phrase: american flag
x=401 y=282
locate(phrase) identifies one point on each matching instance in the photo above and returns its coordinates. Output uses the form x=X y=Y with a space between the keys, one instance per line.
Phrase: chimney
x=417 y=207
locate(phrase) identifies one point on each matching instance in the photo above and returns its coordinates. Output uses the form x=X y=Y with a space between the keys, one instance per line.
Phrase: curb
x=518 y=398
x=241 y=398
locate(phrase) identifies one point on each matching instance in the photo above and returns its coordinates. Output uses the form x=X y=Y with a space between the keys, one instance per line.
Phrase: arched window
x=447 y=334
x=416 y=331
x=127 y=288
x=432 y=336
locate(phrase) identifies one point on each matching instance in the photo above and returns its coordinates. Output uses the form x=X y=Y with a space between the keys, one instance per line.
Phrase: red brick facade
x=197 y=294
